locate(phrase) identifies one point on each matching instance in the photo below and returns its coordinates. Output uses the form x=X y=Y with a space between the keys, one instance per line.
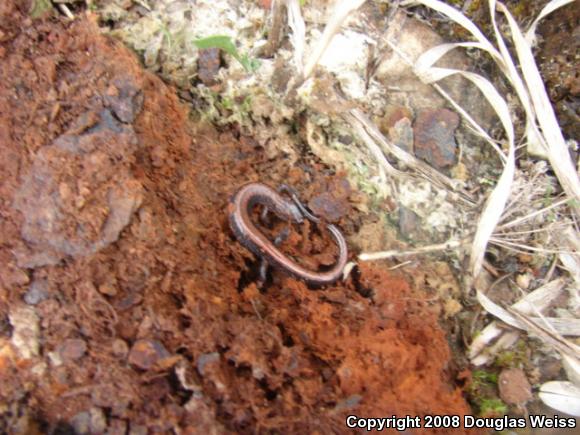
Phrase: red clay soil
x=126 y=304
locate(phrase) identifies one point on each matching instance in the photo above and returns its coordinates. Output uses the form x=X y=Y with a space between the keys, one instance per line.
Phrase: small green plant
x=492 y=408
x=481 y=377
x=226 y=44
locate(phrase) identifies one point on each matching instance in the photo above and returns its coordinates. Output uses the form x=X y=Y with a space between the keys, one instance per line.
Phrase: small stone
x=208 y=65
x=81 y=423
x=72 y=349
x=108 y=289
x=98 y=421
x=434 y=137
x=37 y=292
x=523 y=280
x=145 y=353
x=120 y=348
x=514 y=387
x=25 y=331
x=205 y=359
x=402 y=134
x=408 y=222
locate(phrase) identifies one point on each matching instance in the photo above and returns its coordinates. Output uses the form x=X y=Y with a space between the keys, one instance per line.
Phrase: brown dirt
x=114 y=205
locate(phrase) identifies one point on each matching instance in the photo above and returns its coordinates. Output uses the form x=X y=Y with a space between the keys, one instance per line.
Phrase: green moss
x=492 y=408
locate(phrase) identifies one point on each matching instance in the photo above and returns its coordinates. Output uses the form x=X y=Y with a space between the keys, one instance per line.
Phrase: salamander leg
x=263 y=271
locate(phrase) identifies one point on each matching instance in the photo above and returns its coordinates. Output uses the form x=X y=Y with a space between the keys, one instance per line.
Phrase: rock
x=414 y=38
x=205 y=359
x=208 y=66
x=408 y=222
x=89 y=422
x=396 y=125
x=108 y=289
x=72 y=349
x=120 y=348
x=98 y=421
x=25 y=332
x=81 y=423
x=401 y=134
x=37 y=292
x=434 y=137
x=514 y=387
x=145 y=353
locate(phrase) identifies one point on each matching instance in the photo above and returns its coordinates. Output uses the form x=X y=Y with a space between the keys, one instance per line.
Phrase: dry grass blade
x=538 y=300
x=451 y=244
x=552 y=338
x=570 y=327
x=556 y=145
x=340 y=13
x=357 y=119
x=547 y=10
x=571 y=261
x=459 y=18
x=561 y=396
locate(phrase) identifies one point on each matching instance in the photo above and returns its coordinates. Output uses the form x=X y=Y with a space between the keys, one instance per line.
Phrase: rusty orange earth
x=169 y=271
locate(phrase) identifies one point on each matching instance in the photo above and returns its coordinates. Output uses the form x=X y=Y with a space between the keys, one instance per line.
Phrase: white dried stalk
x=541 y=298
x=451 y=244
x=547 y=10
x=340 y=13
x=571 y=261
x=298 y=35
x=561 y=396
x=556 y=145
x=356 y=116
x=536 y=327
x=569 y=327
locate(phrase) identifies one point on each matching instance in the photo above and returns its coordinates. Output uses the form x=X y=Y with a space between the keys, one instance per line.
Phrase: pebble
x=146 y=353
x=434 y=137
x=120 y=348
x=81 y=423
x=402 y=134
x=205 y=359
x=208 y=65
x=72 y=349
x=37 y=292
x=89 y=422
x=408 y=222
x=514 y=387
x=108 y=289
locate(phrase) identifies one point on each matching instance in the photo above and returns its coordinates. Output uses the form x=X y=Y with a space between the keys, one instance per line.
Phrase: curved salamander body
x=252 y=238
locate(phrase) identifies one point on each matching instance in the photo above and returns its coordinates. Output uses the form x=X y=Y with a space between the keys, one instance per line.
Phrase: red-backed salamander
x=252 y=238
